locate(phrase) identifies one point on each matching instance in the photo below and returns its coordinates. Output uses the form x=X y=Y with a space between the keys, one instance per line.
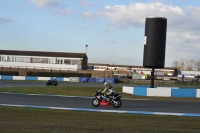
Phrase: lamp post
x=86 y=48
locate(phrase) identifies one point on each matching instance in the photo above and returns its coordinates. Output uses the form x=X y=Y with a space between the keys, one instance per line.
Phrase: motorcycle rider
x=53 y=79
x=108 y=91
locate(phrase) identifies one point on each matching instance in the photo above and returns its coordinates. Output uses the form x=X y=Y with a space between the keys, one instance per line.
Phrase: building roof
x=126 y=66
x=42 y=53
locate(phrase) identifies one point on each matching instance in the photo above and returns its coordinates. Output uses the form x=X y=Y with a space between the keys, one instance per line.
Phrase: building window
x=4 y=58
x=44 y=60
x=36 y=60
x=9 y=59
x=59 y=61
x=18 y=59
x=67 y=61
x=52 y=61
x=26 y=59
x=75 y=62
x=13 y=59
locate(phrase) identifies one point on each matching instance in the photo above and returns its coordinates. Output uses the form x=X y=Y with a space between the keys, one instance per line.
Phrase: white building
x=44 y=60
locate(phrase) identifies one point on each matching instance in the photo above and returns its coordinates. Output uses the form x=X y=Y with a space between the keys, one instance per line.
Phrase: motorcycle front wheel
x=95 y=102
x=117 y=103
x=47 y=84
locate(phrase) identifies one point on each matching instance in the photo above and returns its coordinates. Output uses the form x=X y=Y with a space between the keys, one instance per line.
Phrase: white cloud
x=111 y=29
x=7 y=20
x=135 y=13
x=86 y=3
x=59 y=8
x=183 y=30
x=64 y=12
x=89 y=15
x=46 y=3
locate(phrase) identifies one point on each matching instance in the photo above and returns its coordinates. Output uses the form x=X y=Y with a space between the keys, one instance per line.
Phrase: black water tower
x=154 y=43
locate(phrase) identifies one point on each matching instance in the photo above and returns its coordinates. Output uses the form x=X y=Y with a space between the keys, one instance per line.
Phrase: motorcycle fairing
x=104 y=103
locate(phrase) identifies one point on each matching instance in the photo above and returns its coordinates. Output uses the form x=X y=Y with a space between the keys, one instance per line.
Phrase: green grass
x=82 y=91
x=28 y=120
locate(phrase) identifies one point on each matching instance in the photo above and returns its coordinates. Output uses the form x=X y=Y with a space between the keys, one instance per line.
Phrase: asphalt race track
x=86 y=102
x=80 y=102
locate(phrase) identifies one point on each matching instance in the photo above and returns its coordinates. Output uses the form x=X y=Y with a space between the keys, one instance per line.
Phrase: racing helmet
x=105 y=84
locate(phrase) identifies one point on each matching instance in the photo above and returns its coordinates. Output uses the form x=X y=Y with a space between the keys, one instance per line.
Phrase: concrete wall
x=162 y=91
x=128 y=89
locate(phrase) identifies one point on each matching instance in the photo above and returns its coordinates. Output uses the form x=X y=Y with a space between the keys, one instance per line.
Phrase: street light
x=86 y=48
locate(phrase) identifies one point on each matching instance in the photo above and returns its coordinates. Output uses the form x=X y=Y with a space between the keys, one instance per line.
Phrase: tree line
x=186 y=65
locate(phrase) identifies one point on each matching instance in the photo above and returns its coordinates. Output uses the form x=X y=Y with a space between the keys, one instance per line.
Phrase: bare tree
x=176 y=64
x=189 y=65
x=182 y=64
x=197 y=65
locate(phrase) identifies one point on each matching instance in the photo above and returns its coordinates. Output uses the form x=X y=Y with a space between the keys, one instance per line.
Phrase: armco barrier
x=92 y=80
x=70 y=79
x=97 y=80
x=59 y=79
x=198 y=93
x=31 y=78
x=83 y=79
x=100 y=80
x=128 y=89
x=44 y=78
x=162 y=91
x=184 y=93
x=5 y=77
x=18 y=77
x=141 y=91
x=74 y=79
x=110 y=80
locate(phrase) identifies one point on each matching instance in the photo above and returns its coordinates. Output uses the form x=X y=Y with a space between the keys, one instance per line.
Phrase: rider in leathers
x=108 y=91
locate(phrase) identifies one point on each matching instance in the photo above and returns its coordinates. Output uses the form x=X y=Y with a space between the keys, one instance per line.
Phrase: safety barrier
x=6 y=77
x=70 y=79
x=97 y=80
x=162 y=91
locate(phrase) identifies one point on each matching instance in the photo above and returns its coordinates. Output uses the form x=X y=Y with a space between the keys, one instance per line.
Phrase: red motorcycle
x=100 y=100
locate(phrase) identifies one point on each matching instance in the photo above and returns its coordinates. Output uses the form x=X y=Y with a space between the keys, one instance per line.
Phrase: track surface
x=85 y=102
x=78 y=102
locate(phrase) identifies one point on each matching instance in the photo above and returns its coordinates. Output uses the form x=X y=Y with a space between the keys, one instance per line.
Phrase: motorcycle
x=100 y=100
x=55 y=83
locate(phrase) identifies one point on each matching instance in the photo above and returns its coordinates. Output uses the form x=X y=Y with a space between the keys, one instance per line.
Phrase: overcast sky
x=112 y=29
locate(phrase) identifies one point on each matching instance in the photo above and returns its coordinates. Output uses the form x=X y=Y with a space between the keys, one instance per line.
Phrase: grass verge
x=83 y=91
x=28 y=120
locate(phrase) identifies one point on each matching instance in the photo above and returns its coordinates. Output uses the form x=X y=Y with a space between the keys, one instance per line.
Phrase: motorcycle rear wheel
x=117 y=103
x=47 y=84
x=95 y=102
